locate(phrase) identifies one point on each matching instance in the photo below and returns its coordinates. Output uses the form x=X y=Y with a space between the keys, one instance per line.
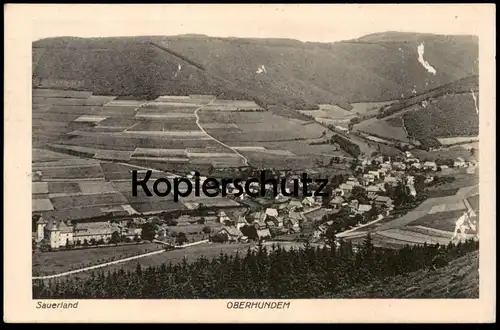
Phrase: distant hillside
x=447 y=111
x=373 y=68
x=459 y=279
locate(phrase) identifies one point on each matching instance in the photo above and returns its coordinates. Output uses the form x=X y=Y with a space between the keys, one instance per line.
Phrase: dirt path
x=211 y=137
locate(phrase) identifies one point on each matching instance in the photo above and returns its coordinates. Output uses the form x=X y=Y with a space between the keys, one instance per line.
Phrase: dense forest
x=346 y=145
x=262 y=273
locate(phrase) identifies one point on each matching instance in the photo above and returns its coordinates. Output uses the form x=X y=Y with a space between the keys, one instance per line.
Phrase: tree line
x=273 y=272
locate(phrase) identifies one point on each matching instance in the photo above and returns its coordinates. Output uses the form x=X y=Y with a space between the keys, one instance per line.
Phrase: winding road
x=211 y=137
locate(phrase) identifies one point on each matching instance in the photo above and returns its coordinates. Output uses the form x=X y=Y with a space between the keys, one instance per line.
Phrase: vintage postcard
x=250 y=163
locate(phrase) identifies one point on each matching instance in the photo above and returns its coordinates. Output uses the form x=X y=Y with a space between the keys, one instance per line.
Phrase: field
x=448 y=153
x=458 y=140
x=383 y=128
x=190 y=253
x=140 y=132
x=47 y=263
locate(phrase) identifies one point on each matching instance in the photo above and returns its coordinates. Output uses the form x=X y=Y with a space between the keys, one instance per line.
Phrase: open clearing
x=458 y=139
x=48 y=263
x=190 y=253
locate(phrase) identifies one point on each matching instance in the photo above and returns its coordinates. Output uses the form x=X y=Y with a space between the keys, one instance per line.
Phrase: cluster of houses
x=374 y=177
x=285 y=215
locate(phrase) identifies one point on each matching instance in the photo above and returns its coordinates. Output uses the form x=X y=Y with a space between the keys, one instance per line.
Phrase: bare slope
x=373 y=68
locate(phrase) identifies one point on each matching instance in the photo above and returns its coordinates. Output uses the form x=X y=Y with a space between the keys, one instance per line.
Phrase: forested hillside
x=275 y=273
x=373 y=68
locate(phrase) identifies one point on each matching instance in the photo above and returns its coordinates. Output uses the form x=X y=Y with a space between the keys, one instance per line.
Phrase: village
x=378 y=188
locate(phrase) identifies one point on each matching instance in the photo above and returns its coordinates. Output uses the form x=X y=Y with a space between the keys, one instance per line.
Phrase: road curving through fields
x=211 y=137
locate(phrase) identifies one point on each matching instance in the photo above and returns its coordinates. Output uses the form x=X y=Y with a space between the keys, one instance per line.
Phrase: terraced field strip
x=221 y=143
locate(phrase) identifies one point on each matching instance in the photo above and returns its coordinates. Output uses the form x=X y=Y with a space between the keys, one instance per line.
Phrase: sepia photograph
x=298 y=158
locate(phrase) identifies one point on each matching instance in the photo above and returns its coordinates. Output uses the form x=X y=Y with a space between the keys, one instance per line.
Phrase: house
x=368 y=178
x=241 y=222
x=393 y=181
x=336 y=202
x=413 y=192
x=429 y=179
x=308 y=201
x=315 y=214
x=280 y=221
x=272 y=212
x=381 y=186
x=408 y=154
x=223 y=218
x=263 y=233
x=231 y=234
x=342 y=129
x=399 y=165
x=352 y=181
x=372 y=191
x=354 y=205
x=376 y=174
x=459 y=162
x=416 y=165
x=294 y=215
x=364 y=208
x=294 y=204
x=386 y=166
x=346 y=188
x=292 y=224
x=383 y=201
x=258 y=219
x=430 y=166
x=271 y=222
